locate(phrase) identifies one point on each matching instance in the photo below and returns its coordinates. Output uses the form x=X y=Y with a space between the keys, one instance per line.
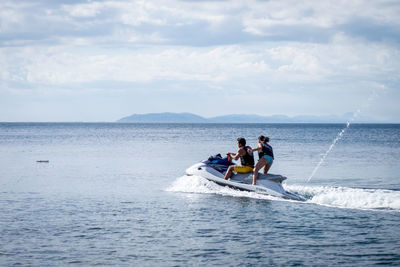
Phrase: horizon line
x=133 y=122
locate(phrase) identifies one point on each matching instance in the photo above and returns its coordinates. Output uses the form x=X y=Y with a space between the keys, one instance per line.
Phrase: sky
x=99 y=61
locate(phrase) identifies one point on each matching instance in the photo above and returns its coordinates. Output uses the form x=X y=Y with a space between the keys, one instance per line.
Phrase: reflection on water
x=115 y=194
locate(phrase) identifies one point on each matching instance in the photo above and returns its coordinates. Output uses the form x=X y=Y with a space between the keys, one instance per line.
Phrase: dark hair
x=266 y=139
x=261 y=138
x=241 y=141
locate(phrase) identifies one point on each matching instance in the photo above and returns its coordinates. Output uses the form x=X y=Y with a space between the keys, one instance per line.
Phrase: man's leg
x=228 y=173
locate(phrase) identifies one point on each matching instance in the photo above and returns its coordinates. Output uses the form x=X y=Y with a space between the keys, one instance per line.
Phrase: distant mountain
x=168 y=117
x=244 y=118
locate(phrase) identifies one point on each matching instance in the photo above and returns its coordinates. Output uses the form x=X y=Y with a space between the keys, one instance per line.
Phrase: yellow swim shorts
x=243 y=169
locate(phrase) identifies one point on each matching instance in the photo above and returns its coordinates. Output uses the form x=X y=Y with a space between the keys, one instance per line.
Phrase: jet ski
x=214 y=170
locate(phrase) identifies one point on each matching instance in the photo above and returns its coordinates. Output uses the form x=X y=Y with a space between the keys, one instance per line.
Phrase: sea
x=86 y=194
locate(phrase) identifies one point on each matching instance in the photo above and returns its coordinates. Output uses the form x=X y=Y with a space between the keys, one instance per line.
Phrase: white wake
x=197 y=184
x=339 y=197
x=352 y=198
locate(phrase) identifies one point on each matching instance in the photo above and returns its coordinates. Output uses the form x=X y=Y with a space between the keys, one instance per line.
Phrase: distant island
x=168 y=117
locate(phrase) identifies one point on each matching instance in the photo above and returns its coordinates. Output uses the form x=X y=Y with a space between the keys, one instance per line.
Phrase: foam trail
x=352 y=198
x=197 y=184
x=338 y=197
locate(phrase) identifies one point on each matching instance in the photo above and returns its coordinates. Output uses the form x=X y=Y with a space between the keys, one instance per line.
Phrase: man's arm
x=239 y=153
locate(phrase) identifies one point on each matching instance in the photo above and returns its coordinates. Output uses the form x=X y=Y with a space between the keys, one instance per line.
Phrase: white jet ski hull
x=267 y=184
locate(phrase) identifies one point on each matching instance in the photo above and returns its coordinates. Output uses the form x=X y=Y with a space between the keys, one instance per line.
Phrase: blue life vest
x=266 y=150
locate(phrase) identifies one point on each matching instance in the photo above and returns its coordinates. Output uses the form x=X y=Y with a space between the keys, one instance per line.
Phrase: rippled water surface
x=116 y=194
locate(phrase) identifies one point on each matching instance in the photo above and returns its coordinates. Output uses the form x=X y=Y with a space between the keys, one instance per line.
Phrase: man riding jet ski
x=215 y=168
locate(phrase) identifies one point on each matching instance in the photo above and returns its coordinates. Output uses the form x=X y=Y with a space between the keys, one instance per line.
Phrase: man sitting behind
x=246 y=159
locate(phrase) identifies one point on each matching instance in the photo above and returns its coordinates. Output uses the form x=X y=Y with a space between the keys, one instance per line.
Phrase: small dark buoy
x=43 y=161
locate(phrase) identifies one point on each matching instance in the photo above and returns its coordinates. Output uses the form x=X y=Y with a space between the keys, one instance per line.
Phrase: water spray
x=341 y=133
x=338 y=137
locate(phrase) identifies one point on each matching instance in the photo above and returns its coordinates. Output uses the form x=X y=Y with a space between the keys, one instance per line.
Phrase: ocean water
x=116 y=194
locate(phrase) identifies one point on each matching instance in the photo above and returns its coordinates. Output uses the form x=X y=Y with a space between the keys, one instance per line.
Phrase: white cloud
x=246 y=49
x=61 y=66
x=86 y=10
x=289 y=62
